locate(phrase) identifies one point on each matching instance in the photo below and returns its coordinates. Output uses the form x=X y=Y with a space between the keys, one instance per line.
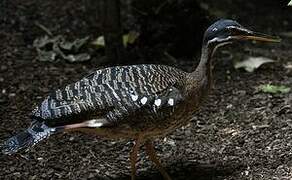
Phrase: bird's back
x=118 y=94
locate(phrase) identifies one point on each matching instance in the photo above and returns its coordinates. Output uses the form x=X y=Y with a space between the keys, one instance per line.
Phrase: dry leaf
x=252 y=63
x=99 y=42
x=288 y=66
x=55 y=48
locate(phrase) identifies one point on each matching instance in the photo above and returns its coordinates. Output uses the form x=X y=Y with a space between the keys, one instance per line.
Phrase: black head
x=226 y=31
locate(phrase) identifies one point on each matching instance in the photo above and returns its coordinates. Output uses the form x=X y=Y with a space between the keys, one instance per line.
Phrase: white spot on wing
x=134 y=97
x=171 y=101
x=144 y=100
x=94 y=123
x=215 y=29
x=157 y=102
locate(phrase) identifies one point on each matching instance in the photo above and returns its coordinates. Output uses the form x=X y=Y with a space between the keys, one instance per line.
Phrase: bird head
x=226 y=31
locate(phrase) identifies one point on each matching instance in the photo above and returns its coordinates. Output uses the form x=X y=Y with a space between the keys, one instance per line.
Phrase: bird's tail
x=35 y=133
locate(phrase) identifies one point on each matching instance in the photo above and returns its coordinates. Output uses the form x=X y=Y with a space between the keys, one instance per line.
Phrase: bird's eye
x=233 y=30
x=215 y=29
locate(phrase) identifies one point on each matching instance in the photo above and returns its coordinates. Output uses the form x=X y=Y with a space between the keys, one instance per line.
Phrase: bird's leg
x=153 y=157
x=134 y=156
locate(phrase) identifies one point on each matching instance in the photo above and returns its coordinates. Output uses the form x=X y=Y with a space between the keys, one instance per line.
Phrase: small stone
x=12 y=95
x=229 y=106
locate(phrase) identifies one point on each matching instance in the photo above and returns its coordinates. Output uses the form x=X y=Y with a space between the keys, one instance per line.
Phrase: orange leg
x=153 y=157
x=134 y=156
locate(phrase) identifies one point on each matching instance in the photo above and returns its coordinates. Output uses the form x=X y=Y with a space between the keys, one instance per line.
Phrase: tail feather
x=35 y=133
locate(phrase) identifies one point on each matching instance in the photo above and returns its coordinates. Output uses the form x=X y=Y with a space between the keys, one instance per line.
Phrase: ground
x=240 y=133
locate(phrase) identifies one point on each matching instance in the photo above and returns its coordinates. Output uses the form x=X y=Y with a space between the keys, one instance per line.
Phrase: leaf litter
x=52 y=49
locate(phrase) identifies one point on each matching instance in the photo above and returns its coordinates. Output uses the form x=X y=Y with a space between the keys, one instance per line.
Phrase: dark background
x=239 y=134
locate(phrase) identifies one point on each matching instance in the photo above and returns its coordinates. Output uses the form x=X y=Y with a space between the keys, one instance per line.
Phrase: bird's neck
x=199 y=82
x=203 y=71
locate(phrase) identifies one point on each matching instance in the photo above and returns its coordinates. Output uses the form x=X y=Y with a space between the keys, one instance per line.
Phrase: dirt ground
x=240 y=133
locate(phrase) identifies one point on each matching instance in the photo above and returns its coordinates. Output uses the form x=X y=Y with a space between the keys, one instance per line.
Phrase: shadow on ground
x=191 y=171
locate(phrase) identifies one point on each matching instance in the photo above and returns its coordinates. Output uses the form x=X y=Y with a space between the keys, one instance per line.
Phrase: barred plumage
x=115 y=92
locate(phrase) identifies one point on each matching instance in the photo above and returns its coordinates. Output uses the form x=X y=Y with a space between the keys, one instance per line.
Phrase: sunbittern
x=138 y=102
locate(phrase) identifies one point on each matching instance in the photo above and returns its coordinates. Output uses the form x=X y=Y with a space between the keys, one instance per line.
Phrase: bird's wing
x=112 y=93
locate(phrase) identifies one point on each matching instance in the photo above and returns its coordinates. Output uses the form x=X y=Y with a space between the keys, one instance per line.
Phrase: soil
x=240 y=133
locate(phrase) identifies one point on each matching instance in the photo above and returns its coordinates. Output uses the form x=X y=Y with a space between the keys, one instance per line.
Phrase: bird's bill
x=261 y=37
x=250 y=35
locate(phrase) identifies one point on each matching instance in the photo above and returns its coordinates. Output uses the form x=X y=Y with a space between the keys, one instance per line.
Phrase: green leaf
x=290 y=3
x=130 y=38
x=273 y=89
